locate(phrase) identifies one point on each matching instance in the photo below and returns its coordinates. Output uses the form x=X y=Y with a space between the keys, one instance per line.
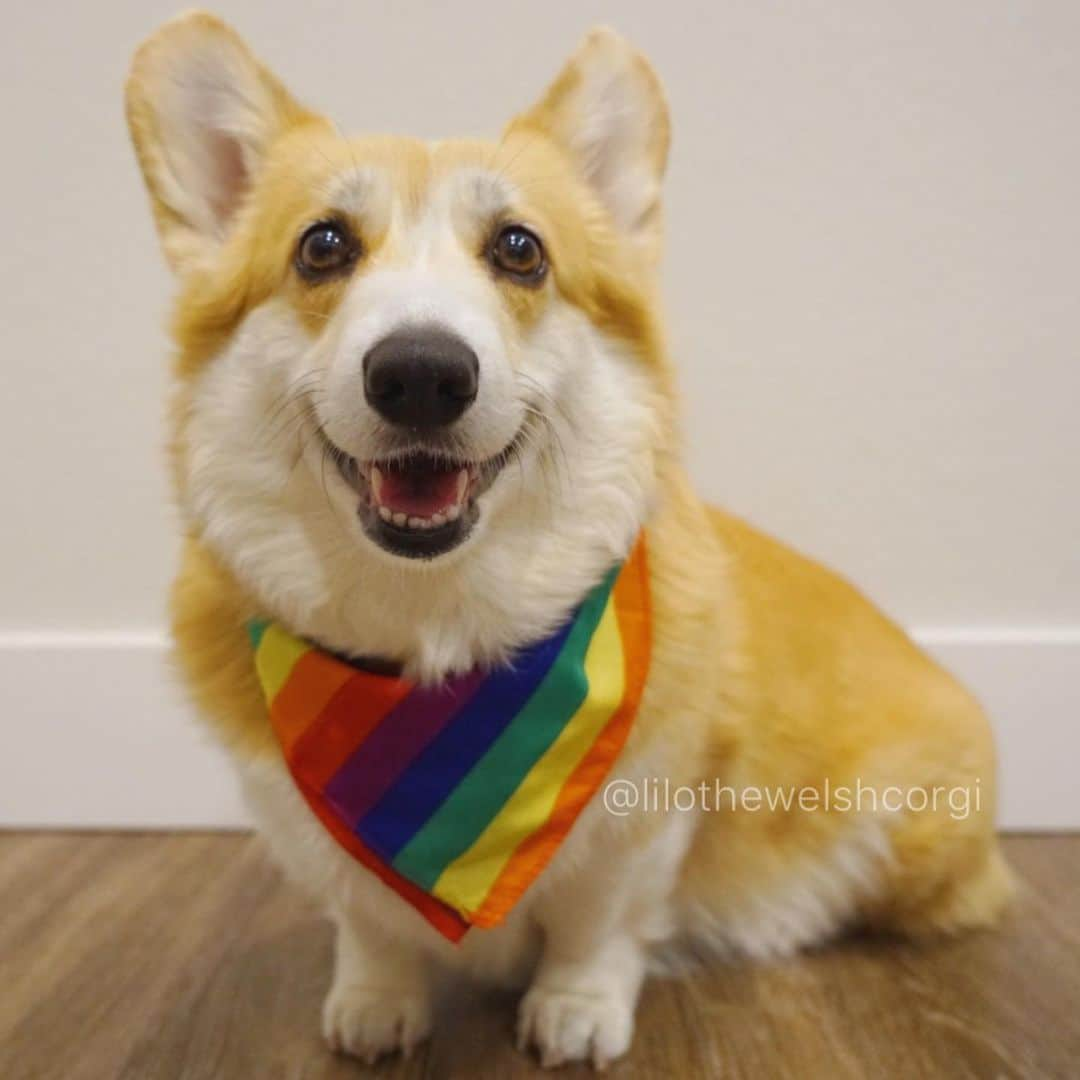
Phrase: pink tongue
x=418 y=491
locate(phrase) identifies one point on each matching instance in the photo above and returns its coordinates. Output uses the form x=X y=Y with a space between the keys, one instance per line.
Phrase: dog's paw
x=567 y=1026
x=367 y=1021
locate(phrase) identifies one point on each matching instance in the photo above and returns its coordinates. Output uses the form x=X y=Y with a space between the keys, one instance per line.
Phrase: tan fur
x=768 y=670
x=832 y=688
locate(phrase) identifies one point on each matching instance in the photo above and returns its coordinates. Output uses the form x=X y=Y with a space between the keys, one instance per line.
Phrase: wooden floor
x=147 y=956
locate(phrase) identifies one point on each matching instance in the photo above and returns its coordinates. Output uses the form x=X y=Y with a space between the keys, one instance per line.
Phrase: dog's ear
x=608 y=111
x=202 y=112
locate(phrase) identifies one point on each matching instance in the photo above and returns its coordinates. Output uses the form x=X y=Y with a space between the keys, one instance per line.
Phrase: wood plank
x=186 y=956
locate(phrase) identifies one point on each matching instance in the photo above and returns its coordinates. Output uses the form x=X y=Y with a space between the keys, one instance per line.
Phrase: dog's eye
x=325 y=249
x=518 y=252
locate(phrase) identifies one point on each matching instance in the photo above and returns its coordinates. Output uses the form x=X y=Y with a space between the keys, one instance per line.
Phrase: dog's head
x=426 y=376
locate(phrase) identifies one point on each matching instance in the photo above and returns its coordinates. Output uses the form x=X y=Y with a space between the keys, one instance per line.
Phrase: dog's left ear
x=607 y=110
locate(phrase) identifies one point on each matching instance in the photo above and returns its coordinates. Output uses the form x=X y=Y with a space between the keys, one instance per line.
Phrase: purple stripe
x=375 y=765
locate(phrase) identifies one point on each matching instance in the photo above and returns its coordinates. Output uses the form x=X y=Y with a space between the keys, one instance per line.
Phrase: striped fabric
x=457 y=795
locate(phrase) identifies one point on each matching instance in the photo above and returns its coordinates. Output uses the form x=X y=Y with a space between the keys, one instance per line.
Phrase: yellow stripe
x=277 y=655
x=467 y=880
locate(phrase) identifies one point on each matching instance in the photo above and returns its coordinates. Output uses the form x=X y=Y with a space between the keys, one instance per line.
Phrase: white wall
x=873 y=281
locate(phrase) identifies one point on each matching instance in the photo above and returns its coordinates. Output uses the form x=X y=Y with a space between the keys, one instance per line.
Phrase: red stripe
x=349 y=717
x=311 y=685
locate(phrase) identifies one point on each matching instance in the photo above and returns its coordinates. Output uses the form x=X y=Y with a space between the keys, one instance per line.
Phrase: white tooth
x=384 y=513
x=400 y=519
x=437 y=520
x=453 y=513
x=376 y=482
x=417 y=523
x=462 y=484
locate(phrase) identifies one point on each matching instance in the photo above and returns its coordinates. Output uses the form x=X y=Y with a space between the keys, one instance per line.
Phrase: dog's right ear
x=608 y=113
x=202 y=112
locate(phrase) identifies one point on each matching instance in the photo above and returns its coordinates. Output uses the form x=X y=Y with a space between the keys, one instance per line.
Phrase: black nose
x=423 y=377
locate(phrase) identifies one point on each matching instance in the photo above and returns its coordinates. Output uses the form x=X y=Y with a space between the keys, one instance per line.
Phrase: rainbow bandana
x=457 y=795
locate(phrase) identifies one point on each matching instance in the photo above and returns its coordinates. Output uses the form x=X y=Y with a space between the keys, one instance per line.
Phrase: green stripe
x=470 y=807
x=256 y=628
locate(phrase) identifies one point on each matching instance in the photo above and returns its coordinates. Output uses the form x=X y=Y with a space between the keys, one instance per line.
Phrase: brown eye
x=518 y=252
x=325 y=249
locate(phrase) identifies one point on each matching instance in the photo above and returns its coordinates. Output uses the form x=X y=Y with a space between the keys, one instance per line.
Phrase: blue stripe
x=423 y=787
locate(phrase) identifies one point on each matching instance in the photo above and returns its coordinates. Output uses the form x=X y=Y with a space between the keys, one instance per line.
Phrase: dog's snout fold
x=421 y=377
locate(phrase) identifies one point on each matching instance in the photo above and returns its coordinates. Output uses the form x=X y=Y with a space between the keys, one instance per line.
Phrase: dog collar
x=457 y=795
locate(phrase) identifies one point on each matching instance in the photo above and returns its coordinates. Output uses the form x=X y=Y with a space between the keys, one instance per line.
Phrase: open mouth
x=418 y=504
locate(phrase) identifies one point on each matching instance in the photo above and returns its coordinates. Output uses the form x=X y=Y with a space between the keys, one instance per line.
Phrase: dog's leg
x=380 y=999
x=580 y=1006
x=581 y=1003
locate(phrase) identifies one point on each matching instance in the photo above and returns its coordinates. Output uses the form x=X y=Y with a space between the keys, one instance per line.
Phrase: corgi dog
x=422 y=406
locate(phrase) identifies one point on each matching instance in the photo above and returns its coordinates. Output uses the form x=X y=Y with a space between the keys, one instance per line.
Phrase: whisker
x=303 y=409
x=291 y=395
x=500 y=171
x=302 y=446
x=326 y=453
x=548 y=397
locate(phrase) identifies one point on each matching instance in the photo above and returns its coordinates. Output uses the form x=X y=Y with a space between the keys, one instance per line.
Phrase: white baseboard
x=97 y=735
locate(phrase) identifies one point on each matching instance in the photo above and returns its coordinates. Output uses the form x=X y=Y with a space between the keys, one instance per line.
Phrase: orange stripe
x=535 y=851
x=311 y=684
x=443 y=918
x=346 y=721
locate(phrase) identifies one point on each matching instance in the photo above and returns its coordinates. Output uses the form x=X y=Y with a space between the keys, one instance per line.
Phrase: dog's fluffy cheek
x=244 y=483
x=603 y=418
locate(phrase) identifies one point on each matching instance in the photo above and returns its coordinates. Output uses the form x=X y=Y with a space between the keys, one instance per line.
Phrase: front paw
x=567 y=1026
x=368 y=1021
